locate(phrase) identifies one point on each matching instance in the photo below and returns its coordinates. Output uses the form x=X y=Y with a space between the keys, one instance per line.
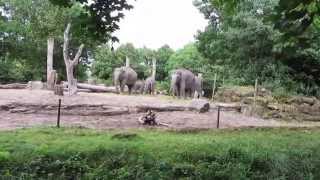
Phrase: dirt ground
x=177 y=120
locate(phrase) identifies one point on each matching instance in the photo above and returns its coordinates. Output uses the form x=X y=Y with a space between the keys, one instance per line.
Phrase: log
x=79 y=90
x=95 y=88
x=146 y=108
x=13 y=86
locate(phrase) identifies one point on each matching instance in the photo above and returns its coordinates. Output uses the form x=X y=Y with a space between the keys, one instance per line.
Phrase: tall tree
x=163 y=55
x=97 y=22
x=244 y=42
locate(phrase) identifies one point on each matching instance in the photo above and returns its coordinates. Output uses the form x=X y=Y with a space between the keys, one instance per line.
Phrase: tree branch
x=66 y=43
x=76 y=58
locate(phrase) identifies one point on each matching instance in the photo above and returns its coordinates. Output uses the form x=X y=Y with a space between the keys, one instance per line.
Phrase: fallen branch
x=150 y=119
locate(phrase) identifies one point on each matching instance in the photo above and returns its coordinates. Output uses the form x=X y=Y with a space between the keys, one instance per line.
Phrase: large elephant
x=124 y=76
x=182 y=83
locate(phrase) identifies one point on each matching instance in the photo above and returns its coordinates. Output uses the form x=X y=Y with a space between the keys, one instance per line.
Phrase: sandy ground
x=176 y=120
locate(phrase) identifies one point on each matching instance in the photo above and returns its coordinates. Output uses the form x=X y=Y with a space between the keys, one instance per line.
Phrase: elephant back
x=131 y=75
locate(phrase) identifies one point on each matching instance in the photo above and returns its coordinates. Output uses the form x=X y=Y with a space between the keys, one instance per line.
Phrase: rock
x=264 y=92
x=262 y=101
x=35 y=85
x=92 y=81
x=303 y=100
x=273 y=107
x=200 y=105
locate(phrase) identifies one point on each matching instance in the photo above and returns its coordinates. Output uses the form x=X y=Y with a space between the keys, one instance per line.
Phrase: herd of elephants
x=183 y=82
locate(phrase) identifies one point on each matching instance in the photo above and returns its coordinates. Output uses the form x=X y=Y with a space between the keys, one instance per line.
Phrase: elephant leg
x=177 y=92
x=152 y=89
x=200 y=94
x=122 y=85
x=183 y=89
x=130 y=89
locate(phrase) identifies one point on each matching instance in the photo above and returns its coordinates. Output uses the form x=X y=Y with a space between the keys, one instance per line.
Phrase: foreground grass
x=153 y=154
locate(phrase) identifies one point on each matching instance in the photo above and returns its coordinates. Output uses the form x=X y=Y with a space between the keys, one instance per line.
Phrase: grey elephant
x=124 y=76
x=198 y=86
x=138 y=87
x=182 y=83
x=150 y=86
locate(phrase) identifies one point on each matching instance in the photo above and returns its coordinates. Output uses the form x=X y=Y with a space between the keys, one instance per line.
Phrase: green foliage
x=294 y=17
x=97 y=19
x=190 y=58
x=228 y=154
x=24 y=30
x=104 y=63
x=106 y=60
x=243 y=43
x=163 y=55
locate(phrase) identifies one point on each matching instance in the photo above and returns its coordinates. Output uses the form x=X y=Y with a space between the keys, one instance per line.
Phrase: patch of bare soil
x=30 y=108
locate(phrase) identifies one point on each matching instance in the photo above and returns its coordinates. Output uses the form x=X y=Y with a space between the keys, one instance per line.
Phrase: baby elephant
x=138 y=88
x=150 y=86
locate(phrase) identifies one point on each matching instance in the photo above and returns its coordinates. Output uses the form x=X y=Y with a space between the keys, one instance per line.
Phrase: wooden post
x=218 y=118
x=58 y=119
x=214 y=86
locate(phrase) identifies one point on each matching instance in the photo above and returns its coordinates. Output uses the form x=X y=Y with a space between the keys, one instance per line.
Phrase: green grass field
x=155 y=154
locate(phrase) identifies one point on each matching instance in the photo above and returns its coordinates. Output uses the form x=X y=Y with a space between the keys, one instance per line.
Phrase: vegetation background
x=274 y=41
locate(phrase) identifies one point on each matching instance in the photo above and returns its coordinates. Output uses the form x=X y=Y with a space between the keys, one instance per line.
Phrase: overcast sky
x=153 y=23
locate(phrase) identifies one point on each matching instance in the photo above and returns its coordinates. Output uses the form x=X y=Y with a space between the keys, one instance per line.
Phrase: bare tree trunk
x=154 y=68
x=127 y=62
x=50 y=44
x=70 y=64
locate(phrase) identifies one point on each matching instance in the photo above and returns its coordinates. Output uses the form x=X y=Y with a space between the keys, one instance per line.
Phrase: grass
x=155 y=154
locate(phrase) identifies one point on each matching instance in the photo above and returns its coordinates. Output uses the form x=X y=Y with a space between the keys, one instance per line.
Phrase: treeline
x=272 y=41
x=106 y=60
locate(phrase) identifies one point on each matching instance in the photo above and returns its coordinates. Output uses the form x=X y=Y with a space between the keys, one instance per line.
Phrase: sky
x=154 y=23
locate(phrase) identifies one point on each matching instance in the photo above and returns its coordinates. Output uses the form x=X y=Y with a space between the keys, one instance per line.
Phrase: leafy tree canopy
x=294 y=16
x=99 y=18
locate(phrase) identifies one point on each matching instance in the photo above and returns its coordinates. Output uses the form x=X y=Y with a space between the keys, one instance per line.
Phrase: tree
x=105 y=61
x=97 y=20
x=190 y=58
x=294 y=17
x=71 y=63
x=163 y=55
x=245 y=45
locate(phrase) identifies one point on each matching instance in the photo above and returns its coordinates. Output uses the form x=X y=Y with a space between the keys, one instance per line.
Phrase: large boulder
x=35 y=85
x=199 y=105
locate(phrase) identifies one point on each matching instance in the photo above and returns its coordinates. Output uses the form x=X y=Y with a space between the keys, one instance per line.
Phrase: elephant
x=182 y=82
x=124 y=76
x=138 y=88
x=198 y=86
x=150 y=85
